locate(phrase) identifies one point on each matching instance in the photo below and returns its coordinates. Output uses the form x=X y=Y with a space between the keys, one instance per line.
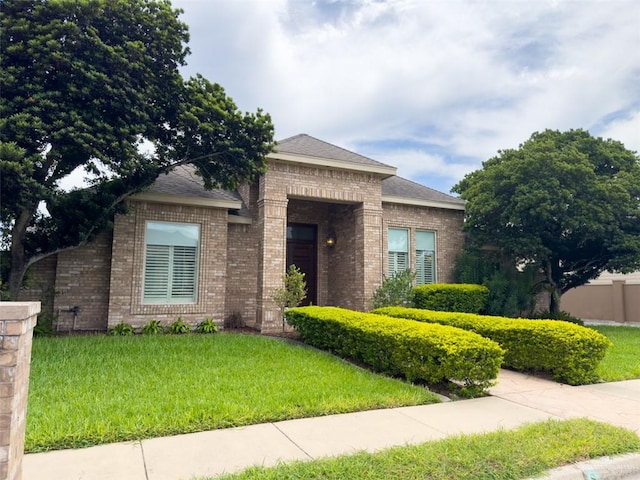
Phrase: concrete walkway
x=516 y=399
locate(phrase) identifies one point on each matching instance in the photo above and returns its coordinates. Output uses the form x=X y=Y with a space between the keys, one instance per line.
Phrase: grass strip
x=502 y=455
x=622 y=361
x=98 y=389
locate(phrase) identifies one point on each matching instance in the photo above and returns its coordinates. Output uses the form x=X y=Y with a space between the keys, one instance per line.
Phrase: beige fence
x=618 y=301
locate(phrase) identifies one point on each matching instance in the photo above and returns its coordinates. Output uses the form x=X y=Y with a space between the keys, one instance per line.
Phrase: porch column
x=272 y=224
x=368 y=254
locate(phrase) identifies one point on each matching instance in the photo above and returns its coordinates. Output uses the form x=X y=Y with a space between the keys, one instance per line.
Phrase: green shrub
x=45 y=325
x=122 y=329
x=208 y=325
x=396 y=290
x=570 y=352
x=415 y=350
x=451 y=297
x=511 y=290
x=152 y=327
x=564 y=316
x=179 y=327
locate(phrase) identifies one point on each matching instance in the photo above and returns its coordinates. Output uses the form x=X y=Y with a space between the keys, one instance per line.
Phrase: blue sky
x=431 y=87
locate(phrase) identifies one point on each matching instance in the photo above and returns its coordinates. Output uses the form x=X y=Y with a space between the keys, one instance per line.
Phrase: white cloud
x=468 y=77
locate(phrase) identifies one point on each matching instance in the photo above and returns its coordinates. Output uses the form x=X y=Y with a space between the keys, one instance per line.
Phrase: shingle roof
x=184 y=182
x=307 y=145
x=401 y=187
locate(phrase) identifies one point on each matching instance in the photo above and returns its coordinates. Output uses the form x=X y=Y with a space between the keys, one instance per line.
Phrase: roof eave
x=422 y=203
x=382 y=170
x=186 y=200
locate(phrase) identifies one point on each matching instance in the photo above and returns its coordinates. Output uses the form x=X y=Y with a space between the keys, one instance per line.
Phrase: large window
x=398 y=251
x=171 y=263
x=425 y=257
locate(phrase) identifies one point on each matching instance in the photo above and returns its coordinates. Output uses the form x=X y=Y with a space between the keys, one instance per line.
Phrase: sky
x=431 y=87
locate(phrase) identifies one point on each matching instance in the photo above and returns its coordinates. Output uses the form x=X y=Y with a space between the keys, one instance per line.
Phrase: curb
x=620 y=467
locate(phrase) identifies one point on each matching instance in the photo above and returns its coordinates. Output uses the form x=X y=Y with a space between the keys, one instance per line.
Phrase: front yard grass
x=622 y=361
x=98 y=389
x=502 y=455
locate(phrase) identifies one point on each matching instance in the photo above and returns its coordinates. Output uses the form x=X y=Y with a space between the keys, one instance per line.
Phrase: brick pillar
x=368 y=254
x=272 y=223
x=17 y=320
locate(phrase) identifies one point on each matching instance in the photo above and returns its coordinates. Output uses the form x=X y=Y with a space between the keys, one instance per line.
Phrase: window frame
x=418 y=254
x=392 y=256
x=175 y=269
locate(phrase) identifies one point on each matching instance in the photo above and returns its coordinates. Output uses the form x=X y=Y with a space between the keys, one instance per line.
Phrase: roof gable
x=308 y=146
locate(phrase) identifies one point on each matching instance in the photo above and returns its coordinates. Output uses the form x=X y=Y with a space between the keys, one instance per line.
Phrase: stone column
x=17 y=320
x=272 y=224
x=368 y=254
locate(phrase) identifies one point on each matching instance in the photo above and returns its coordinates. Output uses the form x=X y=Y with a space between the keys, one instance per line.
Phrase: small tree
x=293 y=292
x=396 y=290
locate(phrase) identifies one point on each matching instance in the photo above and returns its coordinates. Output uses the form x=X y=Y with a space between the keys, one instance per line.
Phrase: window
x=398 y=241
x=171 y=263
x=425 y=257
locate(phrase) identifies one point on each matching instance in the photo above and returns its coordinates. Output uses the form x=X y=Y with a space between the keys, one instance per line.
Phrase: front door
x=301 y=252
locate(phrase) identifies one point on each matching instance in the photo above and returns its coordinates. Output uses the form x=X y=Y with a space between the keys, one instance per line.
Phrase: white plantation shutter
x=156 y=273
x=398 y=250
x=183 y=285
x=171 y=263
x=425 y=257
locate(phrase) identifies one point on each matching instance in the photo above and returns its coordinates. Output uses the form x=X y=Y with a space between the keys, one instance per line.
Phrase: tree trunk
x=554 y=289
x=18 y=257
x=554 y=301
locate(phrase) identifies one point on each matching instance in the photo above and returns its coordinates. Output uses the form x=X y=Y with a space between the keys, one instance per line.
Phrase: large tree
x=96 y=84
x=565 y=202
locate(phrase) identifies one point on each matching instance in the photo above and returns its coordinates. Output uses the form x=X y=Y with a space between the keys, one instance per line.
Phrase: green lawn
x=99 y=389
x=502 y=455
x=622 y=361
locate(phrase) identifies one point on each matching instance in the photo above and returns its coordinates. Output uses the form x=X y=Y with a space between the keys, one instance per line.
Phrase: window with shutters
x=398 y=250
x=425 y=257
x=171 y=263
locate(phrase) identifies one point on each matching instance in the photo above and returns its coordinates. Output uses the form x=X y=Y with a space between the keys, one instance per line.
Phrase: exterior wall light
x=331 y=240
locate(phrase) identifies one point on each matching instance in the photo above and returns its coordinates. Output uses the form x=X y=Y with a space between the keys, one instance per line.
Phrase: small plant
x=234 y=321
x=152 y=327
x=179 y=327
x=46 y=325
x=208 y=325
x=122 y=329
x=294 y=291
x=395 y=291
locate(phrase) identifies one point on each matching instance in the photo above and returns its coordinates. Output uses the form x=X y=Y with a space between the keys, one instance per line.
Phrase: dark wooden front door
x=301 y=252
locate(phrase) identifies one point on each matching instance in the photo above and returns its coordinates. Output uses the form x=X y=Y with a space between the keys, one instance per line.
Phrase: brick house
x=343 y=219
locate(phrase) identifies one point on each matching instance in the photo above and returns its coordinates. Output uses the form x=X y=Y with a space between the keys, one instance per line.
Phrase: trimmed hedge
x=451 y=297
x=570 y=352
x=415 y=350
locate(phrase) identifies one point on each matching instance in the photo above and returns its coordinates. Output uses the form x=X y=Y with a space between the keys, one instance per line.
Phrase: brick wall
x=242 y=273
x=17 y=320
x=127 y=266
x=82 y=280
x=40 y=284
x=446 y=223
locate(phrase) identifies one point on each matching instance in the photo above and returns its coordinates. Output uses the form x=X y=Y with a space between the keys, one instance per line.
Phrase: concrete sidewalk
x=516 y=399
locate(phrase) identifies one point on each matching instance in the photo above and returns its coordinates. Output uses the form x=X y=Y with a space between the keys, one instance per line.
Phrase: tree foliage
x=86 y=84
x=565 y=202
